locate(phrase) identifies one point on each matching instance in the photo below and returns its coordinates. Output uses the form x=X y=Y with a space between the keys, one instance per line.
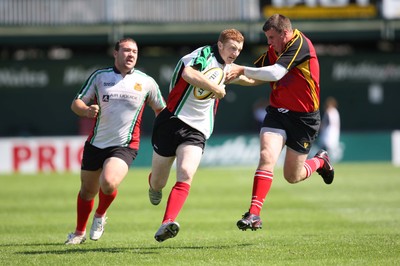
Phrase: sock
x=261 y=185
x=105 y=202
x=176 y=199
x=311 y=165
x=84 y=208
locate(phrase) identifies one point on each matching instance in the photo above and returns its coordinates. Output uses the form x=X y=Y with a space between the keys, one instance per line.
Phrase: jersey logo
x=283 y=110
x=138 y=87
x=106 y=98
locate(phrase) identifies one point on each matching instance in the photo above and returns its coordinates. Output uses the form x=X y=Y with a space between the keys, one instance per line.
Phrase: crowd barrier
x=63 y=154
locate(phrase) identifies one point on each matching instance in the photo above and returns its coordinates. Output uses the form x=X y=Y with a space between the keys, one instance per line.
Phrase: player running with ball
x=181 y=130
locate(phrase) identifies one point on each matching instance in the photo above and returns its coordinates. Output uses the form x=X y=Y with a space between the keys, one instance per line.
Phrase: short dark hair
x=116 y=47
x=277 y=22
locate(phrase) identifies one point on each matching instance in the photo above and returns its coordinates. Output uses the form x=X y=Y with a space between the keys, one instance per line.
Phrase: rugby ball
x=215 y=75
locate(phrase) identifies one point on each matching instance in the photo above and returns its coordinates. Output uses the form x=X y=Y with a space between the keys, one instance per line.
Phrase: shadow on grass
x=138 y=250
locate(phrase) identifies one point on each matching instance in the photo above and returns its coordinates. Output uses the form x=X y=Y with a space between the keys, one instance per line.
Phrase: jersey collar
x=217 y=55
x=119 y=72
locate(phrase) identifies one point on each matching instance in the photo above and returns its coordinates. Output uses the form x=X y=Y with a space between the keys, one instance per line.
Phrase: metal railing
x=73 y=12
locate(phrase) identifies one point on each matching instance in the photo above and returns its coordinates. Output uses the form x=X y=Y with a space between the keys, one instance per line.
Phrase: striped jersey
x=121 y=101
x=299 y=89
x=182 y=103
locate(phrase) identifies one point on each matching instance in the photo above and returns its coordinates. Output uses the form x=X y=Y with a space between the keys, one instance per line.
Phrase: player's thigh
x=271 y=145
x=293 y=169
x=160 y=170
x=188 y=158
x=114 y=171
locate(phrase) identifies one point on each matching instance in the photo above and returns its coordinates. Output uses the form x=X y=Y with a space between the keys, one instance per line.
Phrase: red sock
x=176 y=199
x=311 y=165
x=105 y=202
x=84 y=208
x=261 y=185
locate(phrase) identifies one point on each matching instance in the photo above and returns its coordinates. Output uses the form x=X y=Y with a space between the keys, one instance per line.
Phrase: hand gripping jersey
x=299 y=89
x=121 y=101
x=197 y=113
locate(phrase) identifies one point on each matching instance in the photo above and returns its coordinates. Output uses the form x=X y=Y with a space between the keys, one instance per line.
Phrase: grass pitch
x=354 y=221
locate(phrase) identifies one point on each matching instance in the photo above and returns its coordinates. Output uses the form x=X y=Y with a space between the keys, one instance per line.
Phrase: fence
x=71 y=12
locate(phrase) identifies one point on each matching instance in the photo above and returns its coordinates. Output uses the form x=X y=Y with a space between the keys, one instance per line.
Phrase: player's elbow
x=274 y=78
x=188 y=74
x=73 y=106
x=277 y=75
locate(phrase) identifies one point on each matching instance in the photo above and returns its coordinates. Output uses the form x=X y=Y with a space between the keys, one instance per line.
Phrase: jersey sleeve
x=154 y=98
x=198 y=58
x=87 y=91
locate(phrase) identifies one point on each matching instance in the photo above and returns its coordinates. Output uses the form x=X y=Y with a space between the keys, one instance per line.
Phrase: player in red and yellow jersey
x=291 y=67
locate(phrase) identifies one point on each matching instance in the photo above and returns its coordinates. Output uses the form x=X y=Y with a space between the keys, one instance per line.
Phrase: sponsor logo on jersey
x=108 y=84
x=106 y=98
x=138 y=87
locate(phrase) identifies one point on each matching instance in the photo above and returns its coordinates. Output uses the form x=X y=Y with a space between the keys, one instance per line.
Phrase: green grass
x=354 y=221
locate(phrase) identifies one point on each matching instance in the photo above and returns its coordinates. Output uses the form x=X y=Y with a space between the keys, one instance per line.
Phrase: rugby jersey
x=197 y=113
x=299 y=89
x=121 y=101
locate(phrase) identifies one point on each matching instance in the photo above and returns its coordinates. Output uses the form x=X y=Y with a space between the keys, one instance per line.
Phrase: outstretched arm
x=245 y=81
x=266 y=73
x=255 y=75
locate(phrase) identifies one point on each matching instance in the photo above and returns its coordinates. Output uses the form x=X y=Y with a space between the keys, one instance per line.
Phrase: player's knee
x=185 y=179
x=109 y=189
x=88 y=194
x=291 y=178
x=158 y=179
